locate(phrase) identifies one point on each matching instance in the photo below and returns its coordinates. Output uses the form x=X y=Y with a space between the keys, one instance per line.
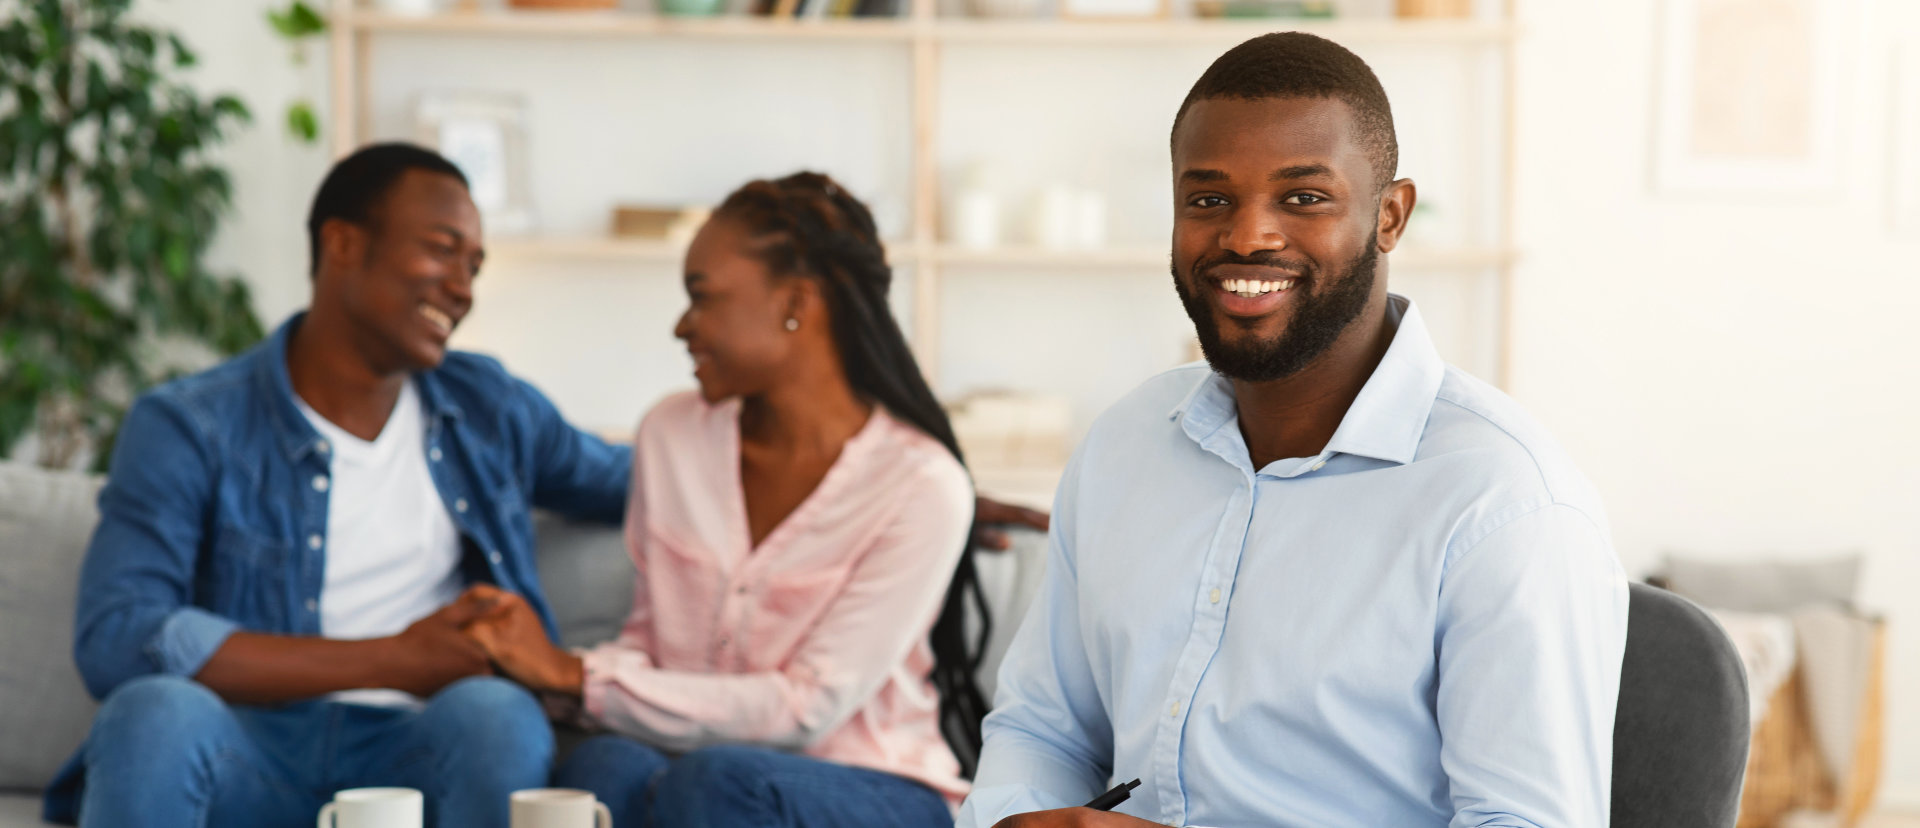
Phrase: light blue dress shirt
x=1420 y=626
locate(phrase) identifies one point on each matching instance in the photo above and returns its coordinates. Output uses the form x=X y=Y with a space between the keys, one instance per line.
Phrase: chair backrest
x=1681 y=730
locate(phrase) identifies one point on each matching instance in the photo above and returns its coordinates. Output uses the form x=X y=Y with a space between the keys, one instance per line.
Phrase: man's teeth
x=1250 y=288
x=437 y=317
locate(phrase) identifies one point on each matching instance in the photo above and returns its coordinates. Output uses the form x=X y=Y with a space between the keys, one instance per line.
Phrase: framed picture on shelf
x=1116 y=9
x=1749 y=95
x=485 y=135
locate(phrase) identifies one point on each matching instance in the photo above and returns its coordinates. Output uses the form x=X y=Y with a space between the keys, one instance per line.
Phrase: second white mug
x=558 y=808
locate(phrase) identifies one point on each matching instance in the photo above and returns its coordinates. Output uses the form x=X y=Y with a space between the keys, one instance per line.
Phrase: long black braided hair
x=807 y=225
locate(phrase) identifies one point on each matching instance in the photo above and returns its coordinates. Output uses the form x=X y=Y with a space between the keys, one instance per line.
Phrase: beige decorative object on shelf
x=564 y=4
x=1012 y=430
x=676 y=224
x=1004 y=8
x=1115 y=9
x=1434 y=8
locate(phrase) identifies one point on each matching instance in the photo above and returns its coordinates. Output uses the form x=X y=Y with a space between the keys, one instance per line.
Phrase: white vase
x=409 y=8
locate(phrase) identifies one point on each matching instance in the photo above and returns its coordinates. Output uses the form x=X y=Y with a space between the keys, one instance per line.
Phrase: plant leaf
x=302 y=122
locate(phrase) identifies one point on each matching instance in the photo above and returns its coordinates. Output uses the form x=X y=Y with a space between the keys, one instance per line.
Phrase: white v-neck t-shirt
x=392 y=551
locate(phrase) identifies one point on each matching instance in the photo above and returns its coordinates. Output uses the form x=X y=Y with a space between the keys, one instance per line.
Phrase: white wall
x=1737 y=374
x=1734 y=373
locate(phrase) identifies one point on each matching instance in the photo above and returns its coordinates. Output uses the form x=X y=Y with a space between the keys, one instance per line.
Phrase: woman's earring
x=792 y=324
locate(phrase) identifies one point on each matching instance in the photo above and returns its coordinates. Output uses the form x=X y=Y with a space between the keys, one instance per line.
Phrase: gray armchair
x=1680 y=731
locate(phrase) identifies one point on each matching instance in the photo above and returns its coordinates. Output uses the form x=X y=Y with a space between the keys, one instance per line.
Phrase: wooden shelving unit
x=924 y=33
x=945 y=29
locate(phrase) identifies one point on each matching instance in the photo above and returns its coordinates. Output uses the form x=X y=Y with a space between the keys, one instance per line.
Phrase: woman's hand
x=990 y=514
x=512 y=636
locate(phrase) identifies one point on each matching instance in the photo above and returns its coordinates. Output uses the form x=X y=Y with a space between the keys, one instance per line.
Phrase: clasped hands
x=488 y=630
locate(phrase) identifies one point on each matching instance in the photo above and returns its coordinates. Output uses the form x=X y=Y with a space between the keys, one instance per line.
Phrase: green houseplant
x=109 y=198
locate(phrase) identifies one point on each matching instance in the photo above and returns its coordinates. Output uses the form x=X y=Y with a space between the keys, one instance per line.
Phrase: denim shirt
x=214 y=515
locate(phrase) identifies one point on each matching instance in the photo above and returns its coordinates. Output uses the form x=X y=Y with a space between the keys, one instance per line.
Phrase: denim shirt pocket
x=249 y=577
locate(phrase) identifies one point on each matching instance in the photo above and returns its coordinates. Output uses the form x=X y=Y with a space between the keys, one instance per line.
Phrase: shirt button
x=322 y=446
x=1320 y=465
x=742 y=589
x=724 y=641
x=312 y=605
x=319 y=482
x=460 y=505
x=494 y=556
x=1174 y=710
x=313 y=542
x=1214 y=596
x=434 y=454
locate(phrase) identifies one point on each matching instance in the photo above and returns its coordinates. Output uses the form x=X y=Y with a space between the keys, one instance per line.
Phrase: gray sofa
x=47 y=517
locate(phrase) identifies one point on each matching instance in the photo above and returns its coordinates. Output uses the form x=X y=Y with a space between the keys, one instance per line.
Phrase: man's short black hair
x=1300 y=65
x=359 y=182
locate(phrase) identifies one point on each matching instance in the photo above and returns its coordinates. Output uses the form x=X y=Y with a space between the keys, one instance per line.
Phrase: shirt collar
x=294 y=434
x=1385 y=421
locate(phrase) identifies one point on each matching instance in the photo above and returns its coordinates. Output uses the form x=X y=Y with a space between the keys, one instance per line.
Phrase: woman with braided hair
x=795 y=655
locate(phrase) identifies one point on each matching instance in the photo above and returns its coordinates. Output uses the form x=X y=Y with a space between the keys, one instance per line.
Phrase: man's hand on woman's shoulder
x=990 y=515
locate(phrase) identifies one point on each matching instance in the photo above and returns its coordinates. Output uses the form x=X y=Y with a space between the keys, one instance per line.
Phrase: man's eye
x=1208 y=201
x=1304 y=199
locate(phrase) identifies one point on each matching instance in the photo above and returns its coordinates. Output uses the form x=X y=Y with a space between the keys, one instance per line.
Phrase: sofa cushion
x=586 y=575
x=1008 y=579
x=20 y=810
x=45 y=521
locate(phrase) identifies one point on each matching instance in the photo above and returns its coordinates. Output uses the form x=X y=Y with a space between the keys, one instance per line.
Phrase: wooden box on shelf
x=565 y=4
x=1434 y=8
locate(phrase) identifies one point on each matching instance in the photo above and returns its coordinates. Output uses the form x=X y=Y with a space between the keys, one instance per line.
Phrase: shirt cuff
x=603 y=666
x=188 y=639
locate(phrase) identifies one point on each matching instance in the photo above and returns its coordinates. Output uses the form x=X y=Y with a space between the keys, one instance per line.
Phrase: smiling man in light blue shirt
x=1325 y=580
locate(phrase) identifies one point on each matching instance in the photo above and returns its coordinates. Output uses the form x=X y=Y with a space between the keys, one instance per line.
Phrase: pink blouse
x=816 y=641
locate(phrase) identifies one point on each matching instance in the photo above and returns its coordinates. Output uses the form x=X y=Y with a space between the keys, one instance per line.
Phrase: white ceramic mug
x=558 y=808
x=373 y=808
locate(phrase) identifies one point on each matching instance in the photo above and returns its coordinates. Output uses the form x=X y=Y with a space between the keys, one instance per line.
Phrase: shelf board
x=634 y=251
x=1464 y=258
x=1203 y=31
x=657 y=251
x=951 y=29
x=627 y=24
x=903 y=254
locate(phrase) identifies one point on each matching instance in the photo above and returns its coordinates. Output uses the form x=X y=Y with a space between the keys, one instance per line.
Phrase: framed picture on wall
x=1749 y=95
x=485 y=135
x=1904 y=182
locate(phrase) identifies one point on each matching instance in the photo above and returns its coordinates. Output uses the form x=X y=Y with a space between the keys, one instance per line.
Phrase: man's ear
x=1396 y=208
x=343 y=241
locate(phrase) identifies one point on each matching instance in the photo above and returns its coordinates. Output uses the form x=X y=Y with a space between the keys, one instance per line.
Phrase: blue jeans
x=744 y=787
x=166 y=751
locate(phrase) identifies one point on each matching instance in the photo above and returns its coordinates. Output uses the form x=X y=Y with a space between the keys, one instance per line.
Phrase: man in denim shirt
x=271 y=607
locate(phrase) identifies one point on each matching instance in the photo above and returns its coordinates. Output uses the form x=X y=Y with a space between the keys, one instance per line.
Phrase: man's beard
x=1318 y=319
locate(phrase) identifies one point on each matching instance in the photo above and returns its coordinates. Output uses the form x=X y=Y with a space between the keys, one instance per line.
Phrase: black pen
x=1119 y=794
